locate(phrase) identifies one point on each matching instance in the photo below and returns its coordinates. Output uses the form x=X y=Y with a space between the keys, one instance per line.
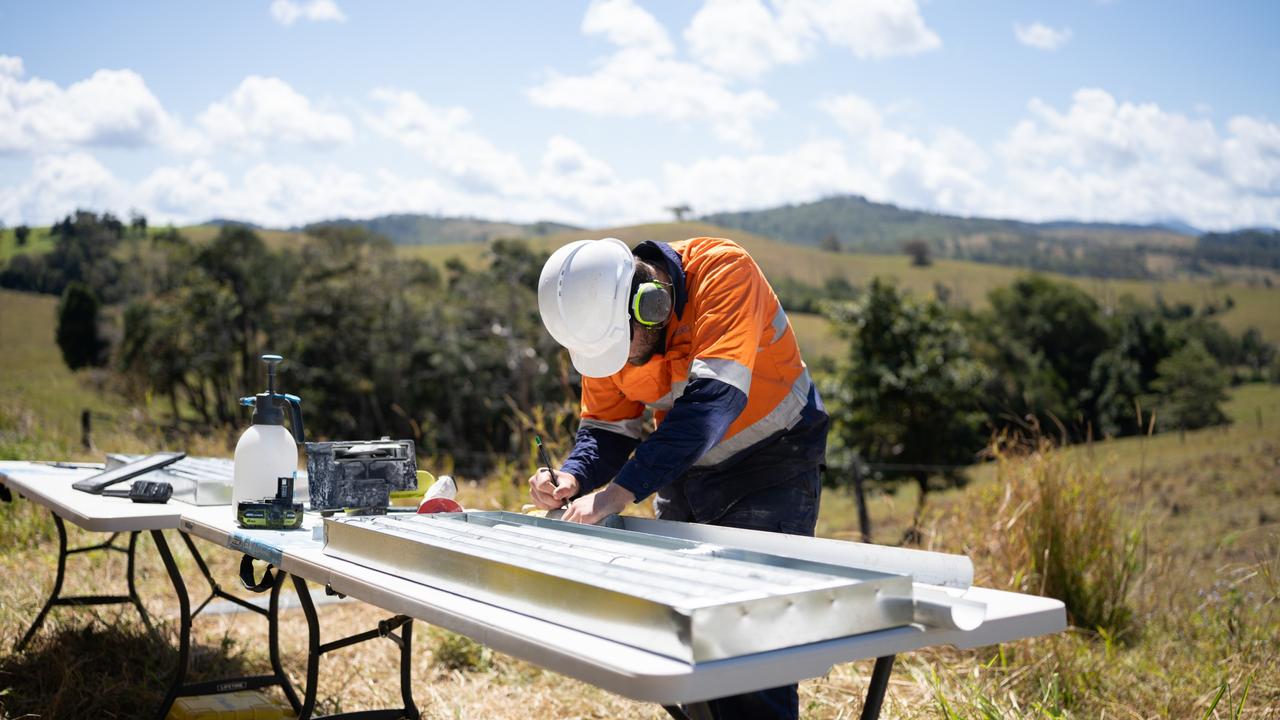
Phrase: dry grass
x=1205 y=614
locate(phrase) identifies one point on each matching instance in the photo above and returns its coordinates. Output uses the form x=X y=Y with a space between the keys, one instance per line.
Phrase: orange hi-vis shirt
x=732 y=329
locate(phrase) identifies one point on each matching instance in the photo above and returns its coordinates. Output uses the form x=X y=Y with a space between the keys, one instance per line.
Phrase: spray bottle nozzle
x=272 y=361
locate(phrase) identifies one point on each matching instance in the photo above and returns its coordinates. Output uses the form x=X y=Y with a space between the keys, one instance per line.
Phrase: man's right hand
x=550 y=492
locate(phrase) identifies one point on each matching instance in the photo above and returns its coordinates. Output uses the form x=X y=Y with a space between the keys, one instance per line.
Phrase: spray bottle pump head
x=268 y=407
x=266 y=411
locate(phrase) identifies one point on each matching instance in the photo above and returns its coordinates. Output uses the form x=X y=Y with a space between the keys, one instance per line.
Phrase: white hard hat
x=582 y=296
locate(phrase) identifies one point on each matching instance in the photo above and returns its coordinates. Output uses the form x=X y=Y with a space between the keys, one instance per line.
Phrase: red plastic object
x=439 y=505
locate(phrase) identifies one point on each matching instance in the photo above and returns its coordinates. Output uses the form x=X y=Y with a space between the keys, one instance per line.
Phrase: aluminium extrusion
x=692 y=601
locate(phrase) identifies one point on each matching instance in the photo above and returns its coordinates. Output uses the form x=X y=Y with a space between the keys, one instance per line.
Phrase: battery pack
x=240 y=705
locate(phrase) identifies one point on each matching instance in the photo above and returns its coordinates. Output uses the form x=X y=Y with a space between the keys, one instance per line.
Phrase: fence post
x=86 y=438
x=864 y=520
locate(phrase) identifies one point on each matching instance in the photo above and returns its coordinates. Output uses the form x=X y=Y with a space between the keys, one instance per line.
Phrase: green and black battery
x=276 y=513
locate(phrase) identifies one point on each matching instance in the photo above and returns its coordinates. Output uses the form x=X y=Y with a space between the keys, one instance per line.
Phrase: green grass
x=41 y=400
x=275 y=239
x=966 y=283
x=37 y=242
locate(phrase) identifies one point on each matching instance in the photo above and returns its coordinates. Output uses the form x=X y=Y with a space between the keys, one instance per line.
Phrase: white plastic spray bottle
x=267 y=451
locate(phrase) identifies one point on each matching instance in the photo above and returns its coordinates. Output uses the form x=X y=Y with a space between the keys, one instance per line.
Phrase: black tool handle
x=144 y=491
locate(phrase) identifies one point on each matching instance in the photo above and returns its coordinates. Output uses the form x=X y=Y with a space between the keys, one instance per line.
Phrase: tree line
x=924 y=386
x=375 y=343
x=456 y=357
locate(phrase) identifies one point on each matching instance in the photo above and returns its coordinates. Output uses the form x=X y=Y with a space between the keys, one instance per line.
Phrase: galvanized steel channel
x=688 y=600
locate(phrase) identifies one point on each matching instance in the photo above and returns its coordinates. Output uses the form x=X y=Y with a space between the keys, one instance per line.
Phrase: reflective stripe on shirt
x=779 y=324
x=784 y=416
x=666 y=402
x=630 y=428
x=729 y=372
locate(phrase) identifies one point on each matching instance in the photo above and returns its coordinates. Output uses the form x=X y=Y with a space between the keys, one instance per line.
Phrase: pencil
x=546 y=462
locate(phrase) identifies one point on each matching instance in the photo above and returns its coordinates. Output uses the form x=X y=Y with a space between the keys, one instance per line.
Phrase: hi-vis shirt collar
x=661 y=254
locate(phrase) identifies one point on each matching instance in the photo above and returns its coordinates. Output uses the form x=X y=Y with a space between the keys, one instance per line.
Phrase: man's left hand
x=591 y=509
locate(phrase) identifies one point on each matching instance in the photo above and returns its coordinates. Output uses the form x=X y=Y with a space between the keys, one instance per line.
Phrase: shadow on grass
x=90 y=671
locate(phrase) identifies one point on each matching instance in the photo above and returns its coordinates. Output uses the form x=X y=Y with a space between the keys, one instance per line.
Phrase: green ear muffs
x=651 y=304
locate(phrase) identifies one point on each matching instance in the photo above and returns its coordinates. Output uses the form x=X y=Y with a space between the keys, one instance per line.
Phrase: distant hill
x=219 y=222
x=791 y=268
x=413 y=229
x=1257 y=248
x=854 y=224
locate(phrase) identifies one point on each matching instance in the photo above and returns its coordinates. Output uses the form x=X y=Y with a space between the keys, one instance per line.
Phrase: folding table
x=49 y=485
x=614 y=666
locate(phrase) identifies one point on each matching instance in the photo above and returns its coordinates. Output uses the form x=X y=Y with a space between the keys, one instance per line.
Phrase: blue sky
x=598 y=113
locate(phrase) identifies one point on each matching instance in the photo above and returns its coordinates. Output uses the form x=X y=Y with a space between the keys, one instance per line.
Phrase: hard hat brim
x=606 y=363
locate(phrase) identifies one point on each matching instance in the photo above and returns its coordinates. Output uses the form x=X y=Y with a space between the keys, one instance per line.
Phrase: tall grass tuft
x=1069 y=535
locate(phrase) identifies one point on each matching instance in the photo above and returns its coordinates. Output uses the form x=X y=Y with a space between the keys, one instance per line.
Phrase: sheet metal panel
x=687 y=600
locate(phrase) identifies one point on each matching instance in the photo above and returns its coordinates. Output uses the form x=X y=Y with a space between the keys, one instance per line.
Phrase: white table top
x=50 y=486
x=615 y=667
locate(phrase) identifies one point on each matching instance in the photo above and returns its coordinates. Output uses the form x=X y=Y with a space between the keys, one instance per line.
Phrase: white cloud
x=1103 y=159
x=1041 y=36
x=264 y=111
x=178 y=194
x=11 y=66
x=287 y=12
x=944 y=173
x=444 y=138
x=627 y=25
x=588 y=190
x=744 y=38
x=728 y=182
x=110 y=108
x=642 y=78
x=58 y=185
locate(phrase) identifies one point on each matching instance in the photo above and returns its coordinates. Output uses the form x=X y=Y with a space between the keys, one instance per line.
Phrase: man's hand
x=593 y=508
x=550 y=492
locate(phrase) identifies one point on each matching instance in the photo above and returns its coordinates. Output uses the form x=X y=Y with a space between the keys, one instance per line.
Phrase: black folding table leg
x=57 y=586
x=879 y=684
x=184 y=623
x=133 y=589
x=273 y=643
x=315 y=649
x=55 y=596
x=690 y=711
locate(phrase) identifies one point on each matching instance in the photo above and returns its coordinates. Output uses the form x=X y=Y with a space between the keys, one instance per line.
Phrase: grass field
x=967 y=283
x=1206 y=506
x=37 y=242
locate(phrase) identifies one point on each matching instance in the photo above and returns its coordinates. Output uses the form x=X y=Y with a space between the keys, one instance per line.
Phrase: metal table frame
x=56 y=599
x=80 y=506
x=677 y=687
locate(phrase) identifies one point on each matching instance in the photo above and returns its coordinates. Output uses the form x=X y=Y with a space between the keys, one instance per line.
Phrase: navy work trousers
x=790 y=506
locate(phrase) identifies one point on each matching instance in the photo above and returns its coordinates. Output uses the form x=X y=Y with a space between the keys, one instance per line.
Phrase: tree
x=919 y=251
x=1190 y=389
x=909 y=393
x=20 y=234
x=77 y=332
x=679 y=211
x=1042 y=338
x=1258 y=354
x=138 y=223
x=830 y=243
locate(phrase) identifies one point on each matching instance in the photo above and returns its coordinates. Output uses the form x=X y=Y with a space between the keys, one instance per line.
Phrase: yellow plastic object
x=241 y=705
x=410 y=498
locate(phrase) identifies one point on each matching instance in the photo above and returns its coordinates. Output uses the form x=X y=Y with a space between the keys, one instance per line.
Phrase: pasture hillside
x=966 y=283
x=1245 y=298
x=37 y=242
